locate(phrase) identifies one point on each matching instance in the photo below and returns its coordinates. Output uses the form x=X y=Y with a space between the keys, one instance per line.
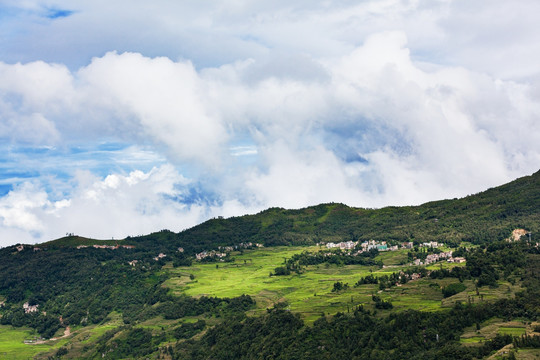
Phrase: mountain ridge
x=449 y=220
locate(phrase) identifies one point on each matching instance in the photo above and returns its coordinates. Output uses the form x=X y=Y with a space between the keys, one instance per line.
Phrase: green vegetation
x=13 y=346
x=472 y=340
x=308 y=293
x=152 y=297
x=453 y=289
x=477 y=219
x=514 y=331
x=74 y=241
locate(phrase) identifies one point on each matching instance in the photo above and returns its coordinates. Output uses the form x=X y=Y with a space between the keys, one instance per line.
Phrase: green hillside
x=477 y=218
x=74 y=241
x=276 y=285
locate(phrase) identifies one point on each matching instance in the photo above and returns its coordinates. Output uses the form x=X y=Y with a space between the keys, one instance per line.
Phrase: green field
x=514 y=331
x=528 y=354
x=490 y=328
x=12 y=344
x=472 y=340
x=309 y=293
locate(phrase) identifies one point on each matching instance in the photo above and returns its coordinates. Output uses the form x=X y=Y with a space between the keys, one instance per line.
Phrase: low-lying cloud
x=370 y=128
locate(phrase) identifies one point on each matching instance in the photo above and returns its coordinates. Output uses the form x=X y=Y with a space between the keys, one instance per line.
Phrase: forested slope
x=477 y=218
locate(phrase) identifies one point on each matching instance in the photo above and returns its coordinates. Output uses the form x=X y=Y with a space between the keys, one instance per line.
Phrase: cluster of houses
x=211 y=253
x=379 y=245
x=224 y=250
x=433 y=258
x=112 y=247
x=344 y=245
x=431 y=244
x=383 y=246
x=246 y=245
x=21 y=247
x=26 y=307
x=367 y=246
x=409 y=277
x=29 y=308
x=415 y=276
x=157 y=258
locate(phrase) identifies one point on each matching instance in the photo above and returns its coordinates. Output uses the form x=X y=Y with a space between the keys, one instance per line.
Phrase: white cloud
x=371 y=104
x=117 y=206
x=478 y=35
x=32 y=128
x=425 y=134
x=17 y=208
x=294 y=179
x=121 y=96
x=166 y=98
x=42 y=85
x=29 y=94
x=444 y=116
x=447 y=120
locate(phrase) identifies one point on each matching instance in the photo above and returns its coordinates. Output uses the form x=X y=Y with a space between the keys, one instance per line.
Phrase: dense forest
x=70 y=283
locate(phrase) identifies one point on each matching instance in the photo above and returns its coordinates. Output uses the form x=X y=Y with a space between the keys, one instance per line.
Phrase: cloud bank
x=358 y=111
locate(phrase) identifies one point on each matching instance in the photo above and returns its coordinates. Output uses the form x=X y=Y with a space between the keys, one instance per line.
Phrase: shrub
x=453 y=289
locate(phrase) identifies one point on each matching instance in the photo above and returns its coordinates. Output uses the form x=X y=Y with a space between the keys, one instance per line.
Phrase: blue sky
x=128 y=117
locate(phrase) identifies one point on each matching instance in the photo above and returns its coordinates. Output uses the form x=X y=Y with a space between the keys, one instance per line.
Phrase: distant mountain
x=477 y=218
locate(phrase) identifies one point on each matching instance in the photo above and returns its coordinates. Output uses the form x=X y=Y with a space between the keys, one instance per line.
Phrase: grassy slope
x=74 y=241
x=249 y=274
x=12 y=344
x=494 y=326
x=310 y=293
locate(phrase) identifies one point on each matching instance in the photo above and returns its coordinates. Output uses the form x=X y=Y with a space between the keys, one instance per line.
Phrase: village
x=223 y=251
x=348 y=246
x=112 y=247
x=383 y=246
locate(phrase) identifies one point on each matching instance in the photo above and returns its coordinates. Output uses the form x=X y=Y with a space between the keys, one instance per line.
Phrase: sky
x=127 y=117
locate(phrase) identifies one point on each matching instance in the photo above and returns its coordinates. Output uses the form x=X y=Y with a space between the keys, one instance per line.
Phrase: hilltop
x=477 y=218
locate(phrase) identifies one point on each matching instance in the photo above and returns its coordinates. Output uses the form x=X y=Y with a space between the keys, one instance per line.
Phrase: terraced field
x=310 y=293
x=13 y=346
